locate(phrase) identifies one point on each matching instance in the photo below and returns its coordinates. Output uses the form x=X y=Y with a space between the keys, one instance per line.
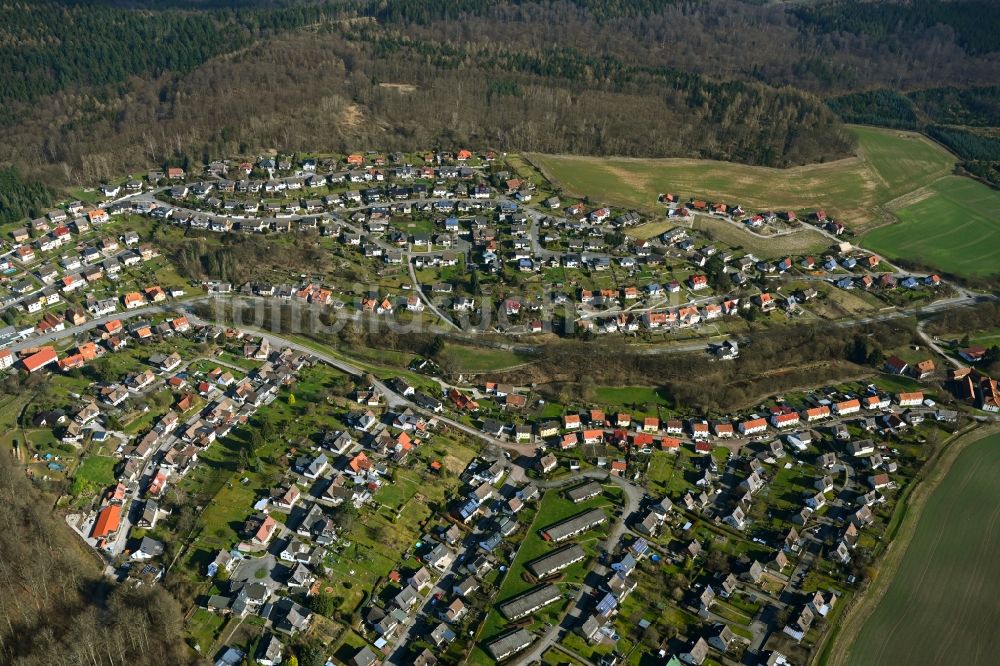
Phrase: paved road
x=426 y=301
x=930 y=342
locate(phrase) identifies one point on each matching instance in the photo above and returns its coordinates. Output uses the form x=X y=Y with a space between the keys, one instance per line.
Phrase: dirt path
x=837 y=646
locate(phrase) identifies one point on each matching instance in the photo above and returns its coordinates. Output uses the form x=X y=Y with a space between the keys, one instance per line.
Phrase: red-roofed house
x=724 y=430
x=360 y=463
x=155 y=294
x=699 y=430
x=699 y=282
x=896 y=365
x=816 y=413
x=910 y=399
x=752 y=426
x=40 y=359
x=973 y=353
x=133 y=300
x=642 y=439
x=670 y=444
x=265 y=531
x=71 y=362
x=158 y=484
x=785 y=420
x=847 y=407
x=108 y=520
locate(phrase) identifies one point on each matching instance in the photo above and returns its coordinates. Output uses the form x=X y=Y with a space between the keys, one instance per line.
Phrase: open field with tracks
x=940 y=605
x=890 y=164
x=955 y=228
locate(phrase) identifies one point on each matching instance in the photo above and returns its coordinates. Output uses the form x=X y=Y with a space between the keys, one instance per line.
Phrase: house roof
x=107 y=521
x=42 y=357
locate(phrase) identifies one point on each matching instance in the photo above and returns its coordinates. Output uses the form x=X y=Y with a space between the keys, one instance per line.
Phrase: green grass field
x=901 y=161
x=626 y=396
x=890 y=163
x=97 y=470
x=941 y=606
x=956 y=229
x=464 y=358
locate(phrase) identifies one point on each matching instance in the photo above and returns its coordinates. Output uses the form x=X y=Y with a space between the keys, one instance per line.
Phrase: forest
x=886 y=108
x=20 y=198
x=63 y=44
x=98 y=88
x=56 y=607
x=973 y=21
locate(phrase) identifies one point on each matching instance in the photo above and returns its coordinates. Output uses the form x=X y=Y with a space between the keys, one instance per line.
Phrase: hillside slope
x=55 y=606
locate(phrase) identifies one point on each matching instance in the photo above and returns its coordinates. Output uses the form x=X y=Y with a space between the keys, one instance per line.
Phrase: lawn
x=464 y=358
x=898 y=383
x=97 y=471
x=403 y=487
x=890 y=163
x=631 y=396
x=204 y=626
x=987 y=338
x=941 y=604
x=956 y=228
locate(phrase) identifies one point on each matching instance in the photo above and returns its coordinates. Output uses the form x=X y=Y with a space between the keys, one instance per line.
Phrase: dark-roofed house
x=721 y=640
x=442 y=635
x=557 y=560
x=270 y=651
x=583 y=492
x=294 y=618
x=697 y=654
x=591 y=628
x=525 y=604
x=574 y=525
x=509 y=644
x=756 y=572
x=365 y=657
